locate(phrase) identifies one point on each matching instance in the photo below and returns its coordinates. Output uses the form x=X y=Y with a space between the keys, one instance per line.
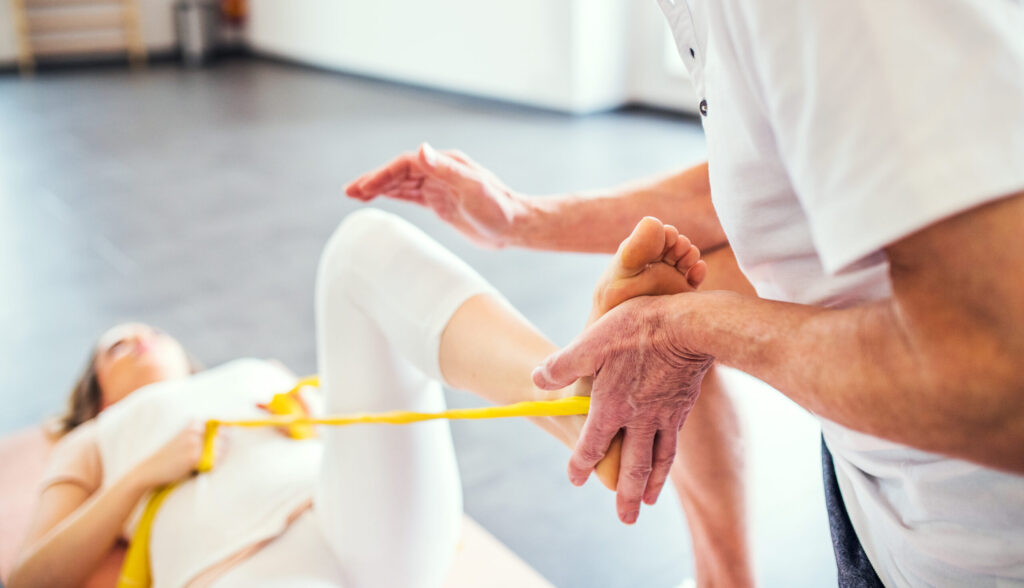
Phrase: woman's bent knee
x=360 y=240
x=359 y=232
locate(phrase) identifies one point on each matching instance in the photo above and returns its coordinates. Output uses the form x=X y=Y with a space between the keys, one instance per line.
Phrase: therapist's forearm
x=598 y=221
x=860 y=367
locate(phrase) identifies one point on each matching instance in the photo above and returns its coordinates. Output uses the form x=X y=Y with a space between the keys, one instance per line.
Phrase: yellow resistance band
x=135 y=571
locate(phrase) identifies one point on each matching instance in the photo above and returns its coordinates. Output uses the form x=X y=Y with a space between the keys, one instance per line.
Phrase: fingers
x=192 y=444
x=566 y=366
x=221 y=444
x=403 y=178
x=461 y=157
x=661 y=466
x=446 y=168
x=637 y=457
x=369 y=185
x=593 y=445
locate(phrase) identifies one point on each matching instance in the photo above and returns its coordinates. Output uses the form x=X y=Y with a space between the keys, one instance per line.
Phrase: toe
x=645 y=245
x=691 y=257
x=697 y=273
x=671 y=237
x=678 y=250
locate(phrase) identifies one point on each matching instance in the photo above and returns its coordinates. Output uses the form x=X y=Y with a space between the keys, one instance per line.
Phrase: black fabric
x=855 y=571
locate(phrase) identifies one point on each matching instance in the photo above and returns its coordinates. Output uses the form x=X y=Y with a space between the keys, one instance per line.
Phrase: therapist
x=867 y=168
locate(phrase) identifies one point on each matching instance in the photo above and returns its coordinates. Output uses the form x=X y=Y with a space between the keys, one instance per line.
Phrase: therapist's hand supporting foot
x=934 y=367
x=645 y=385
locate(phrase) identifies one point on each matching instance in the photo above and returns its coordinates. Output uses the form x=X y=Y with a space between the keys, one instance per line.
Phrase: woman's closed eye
x=118 y=345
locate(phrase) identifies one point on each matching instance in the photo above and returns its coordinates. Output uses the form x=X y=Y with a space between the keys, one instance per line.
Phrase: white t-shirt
x=835 y=129
x=251 y=495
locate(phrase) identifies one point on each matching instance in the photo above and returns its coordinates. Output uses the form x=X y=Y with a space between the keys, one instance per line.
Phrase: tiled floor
x=198 y=201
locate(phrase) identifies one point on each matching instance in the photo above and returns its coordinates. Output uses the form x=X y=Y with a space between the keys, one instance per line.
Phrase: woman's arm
x=72 y=532
x=73 y=528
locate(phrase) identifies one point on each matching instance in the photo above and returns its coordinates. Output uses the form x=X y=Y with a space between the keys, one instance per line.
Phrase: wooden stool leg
x=26 y=62
x=133 y=34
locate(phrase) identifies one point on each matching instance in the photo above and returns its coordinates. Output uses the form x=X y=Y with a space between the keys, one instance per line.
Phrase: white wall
x=156 y=19
x=657 y=75
x=572 y=55
x=563 y=54
x=600 y=49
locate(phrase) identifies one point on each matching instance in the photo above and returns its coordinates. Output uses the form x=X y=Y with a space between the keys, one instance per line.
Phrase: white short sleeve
x=76 y=460
x=891 y=116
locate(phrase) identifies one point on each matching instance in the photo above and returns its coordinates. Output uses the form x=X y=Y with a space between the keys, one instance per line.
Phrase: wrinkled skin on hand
x=645 y=382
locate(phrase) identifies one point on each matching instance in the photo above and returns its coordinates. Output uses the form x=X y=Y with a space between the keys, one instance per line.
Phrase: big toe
x=645 y=245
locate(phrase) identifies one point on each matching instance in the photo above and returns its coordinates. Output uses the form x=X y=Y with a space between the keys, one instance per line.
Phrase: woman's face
x=132 y=355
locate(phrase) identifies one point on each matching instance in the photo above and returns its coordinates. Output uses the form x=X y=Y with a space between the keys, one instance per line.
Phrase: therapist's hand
x=645 y=384
x=461 y=192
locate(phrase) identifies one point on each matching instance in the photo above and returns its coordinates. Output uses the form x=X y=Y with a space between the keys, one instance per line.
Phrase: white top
x=833 y=130
x=262 y=480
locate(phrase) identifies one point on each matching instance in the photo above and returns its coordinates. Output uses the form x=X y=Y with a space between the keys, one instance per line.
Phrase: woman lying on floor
x=363 y=506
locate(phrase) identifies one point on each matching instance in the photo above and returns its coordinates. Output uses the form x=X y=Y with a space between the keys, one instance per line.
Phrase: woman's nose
x=141 y=339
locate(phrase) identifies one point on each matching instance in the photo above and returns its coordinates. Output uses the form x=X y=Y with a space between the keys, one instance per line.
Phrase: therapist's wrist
x=535 y=219
x=683 y=319
x=702 y=313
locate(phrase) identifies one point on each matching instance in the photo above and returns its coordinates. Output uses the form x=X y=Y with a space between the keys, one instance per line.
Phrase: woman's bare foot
x=654 y=260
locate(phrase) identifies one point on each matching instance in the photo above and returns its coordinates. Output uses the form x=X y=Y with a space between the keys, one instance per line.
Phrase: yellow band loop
x=573 y=405
x=135 y=570
x=206 y=459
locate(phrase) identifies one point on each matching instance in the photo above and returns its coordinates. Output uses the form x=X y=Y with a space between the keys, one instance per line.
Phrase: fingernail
x=429 y=154
x=651 y=496
x=353 y=191
x=537 y=376
x=630 y=517
x=543 y=380
x=577 y=480
x=540 y=378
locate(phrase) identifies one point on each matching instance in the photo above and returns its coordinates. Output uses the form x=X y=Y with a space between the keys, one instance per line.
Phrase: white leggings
x=388 y=507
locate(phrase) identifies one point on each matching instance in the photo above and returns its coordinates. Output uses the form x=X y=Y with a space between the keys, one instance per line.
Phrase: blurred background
x=182 y=163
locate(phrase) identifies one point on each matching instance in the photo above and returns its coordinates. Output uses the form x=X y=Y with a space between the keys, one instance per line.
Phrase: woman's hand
x=461 y=192
x=177 y=458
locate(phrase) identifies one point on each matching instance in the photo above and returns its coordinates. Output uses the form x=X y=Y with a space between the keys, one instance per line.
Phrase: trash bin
x=197 y=23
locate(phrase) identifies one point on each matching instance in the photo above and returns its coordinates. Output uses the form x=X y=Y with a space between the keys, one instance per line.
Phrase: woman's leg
x=396 y=313
x=390 y=501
